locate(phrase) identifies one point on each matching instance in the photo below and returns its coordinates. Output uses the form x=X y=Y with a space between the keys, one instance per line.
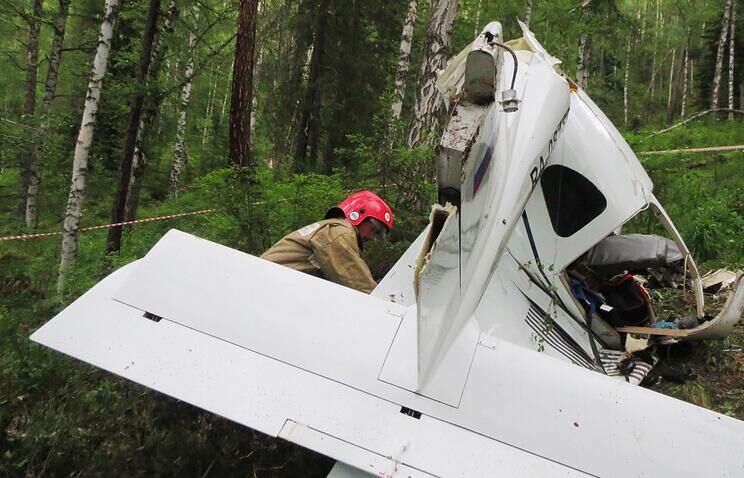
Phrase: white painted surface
x=523 y=413
x=326 y=367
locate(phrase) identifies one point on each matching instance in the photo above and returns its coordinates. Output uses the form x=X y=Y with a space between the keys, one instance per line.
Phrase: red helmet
x=359 y=206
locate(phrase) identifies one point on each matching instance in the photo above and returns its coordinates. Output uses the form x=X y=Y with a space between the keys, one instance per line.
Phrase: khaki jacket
x=328 y=249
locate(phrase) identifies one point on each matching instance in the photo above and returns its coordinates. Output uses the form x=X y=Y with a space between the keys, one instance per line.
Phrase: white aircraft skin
x=448 y=368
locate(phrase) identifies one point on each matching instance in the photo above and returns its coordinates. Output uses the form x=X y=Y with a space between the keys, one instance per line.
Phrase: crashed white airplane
x=473 y=357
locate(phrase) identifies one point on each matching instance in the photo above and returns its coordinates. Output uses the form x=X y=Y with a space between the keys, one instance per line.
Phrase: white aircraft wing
x=300 y=358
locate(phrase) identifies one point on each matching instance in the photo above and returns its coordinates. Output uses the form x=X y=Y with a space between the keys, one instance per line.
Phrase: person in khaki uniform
x=331 y=248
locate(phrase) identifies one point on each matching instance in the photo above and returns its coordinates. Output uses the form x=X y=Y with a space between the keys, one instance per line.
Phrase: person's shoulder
x=337 y=229
x=338 y=223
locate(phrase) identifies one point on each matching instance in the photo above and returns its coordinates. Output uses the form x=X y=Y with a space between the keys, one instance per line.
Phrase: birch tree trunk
x=426 y=111
x=242 y=88
x=671 y=78
x=254 y=100
x=113 y=243
x=625 y=83
x=210 y=104
x=719 y=55
x=50 y=89
x=29 y=102
x=528 y=13
x=404 y=59
x=585 y=53
x=224 y=98
x=477 y=29
x=657 y=27
x=151 y=107
x=732 y=44
x=685 y=68
x=180 y=156
x=71 y=226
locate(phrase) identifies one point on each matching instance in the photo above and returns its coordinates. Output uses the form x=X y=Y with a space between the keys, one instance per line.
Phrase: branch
x=13 y=60
x=695 y=116
x=20 y=124
x=199 y=67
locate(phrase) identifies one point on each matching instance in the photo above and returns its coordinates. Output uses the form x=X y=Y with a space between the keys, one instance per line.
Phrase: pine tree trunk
x=426 y=111
x=404 y=59
x=585 y=54
x=242 y=88
x=719 y=55
x=29 y=103
x=625 y=83
x=50 y=89
x=180 y=155
x=732 y=44
x=150 y=110
x=71 y=226
x=113 y=243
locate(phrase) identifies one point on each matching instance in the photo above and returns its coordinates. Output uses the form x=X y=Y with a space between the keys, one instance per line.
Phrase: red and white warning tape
x=107 y=226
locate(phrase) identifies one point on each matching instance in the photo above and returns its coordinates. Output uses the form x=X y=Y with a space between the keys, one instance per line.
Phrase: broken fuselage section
x=532 y=176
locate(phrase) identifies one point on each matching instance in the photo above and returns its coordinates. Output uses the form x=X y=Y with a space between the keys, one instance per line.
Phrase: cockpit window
x=572 y=200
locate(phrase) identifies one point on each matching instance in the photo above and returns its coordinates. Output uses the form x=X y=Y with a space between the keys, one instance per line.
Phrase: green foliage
x=61 y=417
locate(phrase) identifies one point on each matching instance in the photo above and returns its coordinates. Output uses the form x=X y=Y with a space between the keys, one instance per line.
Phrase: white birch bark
x=404 y=59
x=29 y=102
x=582 y=68
x=227 y=93
x=180 y=155
x=655 y=45
x=528 y=13
x=625 y=83
x=428 y=103
x=477 y=29
x=732 y=23
x=71 y=226
x=685 y=68
x=254 y=100
x=50 y=89
x=671 y=82
x=210 y=104
x=719 y=55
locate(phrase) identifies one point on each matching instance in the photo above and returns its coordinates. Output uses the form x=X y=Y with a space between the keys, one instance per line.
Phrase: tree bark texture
x=732 y=44
x=477 y=29
x=582 y=68
x=113 y=243
x=180 y=155
x=242 y=87
x=151 y=106
x=50 y=89
x=71 y=226
x=210 y=104
x=404 y=59
x=29 y=102
x=308 y=129
x=625 y=83
x=719 y=54
x=528 y=13
x=426 y=117
x=671 y=84
x=685 y=71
